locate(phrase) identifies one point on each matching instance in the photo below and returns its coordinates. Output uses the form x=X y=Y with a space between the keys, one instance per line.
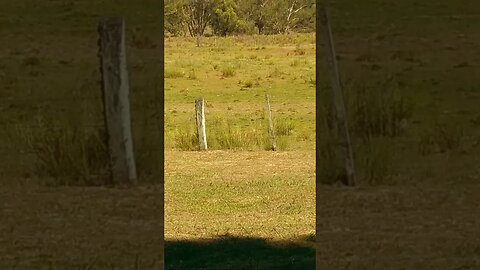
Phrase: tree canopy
x=226 y=17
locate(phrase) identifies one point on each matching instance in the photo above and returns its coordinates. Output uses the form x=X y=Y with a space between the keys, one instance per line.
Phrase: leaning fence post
x=200 y=117
x=115 y=90
x=271 y=130
x=341 y=117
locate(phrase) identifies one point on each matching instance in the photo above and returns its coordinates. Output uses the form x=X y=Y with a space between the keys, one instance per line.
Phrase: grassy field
x=239 y=206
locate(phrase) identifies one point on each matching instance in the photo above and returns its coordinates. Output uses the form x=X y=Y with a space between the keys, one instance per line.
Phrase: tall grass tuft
x=226 y=135
x=228 y=71
x=378 y=112
x=174 y=74
x=66 y=154
x=222 y=135
x=186 y=138
x=373 y=161
x=375 y=118
x=440 y=138
x=283 y=126
x=329 y=160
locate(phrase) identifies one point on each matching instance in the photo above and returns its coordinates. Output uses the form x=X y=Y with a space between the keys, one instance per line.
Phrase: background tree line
x=227 y=17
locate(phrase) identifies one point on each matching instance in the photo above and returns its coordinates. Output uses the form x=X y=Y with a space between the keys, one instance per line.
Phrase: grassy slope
x=431 y=226
x=49 y=68
x=428 y=226
x=272 y=65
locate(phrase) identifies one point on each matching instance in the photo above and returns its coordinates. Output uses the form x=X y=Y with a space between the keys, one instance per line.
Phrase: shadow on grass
x=236 y=253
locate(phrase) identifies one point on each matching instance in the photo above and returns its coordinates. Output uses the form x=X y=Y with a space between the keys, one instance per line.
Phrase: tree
x=255 y=12
x=175 y=17
x=278 y=16
x=194 y=15
x=284 y=16
x=199 y=14
x=225 y=19
x=233 y=16
x=295 y=7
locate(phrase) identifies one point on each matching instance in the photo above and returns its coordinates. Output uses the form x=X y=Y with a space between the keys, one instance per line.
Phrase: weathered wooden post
x=271 y=130
x=115 y=89
x=341 y=118
x=201 y=128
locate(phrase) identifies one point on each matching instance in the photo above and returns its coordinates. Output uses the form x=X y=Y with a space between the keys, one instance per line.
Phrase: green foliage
x=225 y=20
x=193 y=15
x=274 y=17
x=227 y=17
x=175 y=18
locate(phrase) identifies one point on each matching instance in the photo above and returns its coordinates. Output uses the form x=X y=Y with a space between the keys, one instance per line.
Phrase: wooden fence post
x=115 y=89
x=342 y=124
x=201 y=128
x=271 y=130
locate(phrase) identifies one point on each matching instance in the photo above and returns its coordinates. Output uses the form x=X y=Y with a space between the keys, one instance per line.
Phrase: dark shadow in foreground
x=235 y=253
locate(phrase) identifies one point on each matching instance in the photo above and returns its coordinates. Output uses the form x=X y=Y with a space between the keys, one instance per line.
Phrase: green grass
x=418 y=188
x=233 y=81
